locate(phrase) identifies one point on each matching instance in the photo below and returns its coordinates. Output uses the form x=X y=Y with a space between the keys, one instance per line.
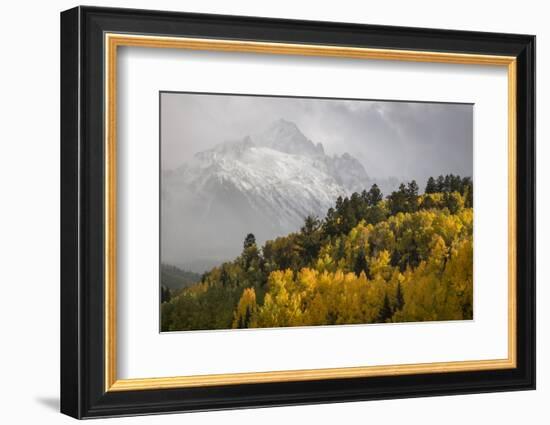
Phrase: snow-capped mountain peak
x=264 y=184
x=285 y=136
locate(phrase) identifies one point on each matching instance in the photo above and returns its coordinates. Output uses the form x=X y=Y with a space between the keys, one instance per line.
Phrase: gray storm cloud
x=401 y=139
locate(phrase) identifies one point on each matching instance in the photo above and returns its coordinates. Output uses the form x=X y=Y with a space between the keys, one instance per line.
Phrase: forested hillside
x=173 y=279
x=406 y=257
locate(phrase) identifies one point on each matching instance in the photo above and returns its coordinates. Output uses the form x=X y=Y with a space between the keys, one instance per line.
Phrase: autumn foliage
x=407 y=257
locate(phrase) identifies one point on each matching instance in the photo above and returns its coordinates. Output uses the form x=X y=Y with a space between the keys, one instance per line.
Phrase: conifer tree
x=412 y=189
x=431 y=186
x=385 y=312
x=310 y=238
x=250 y=251
x=440 y=184
x=249 y=241
x=398 y=200
x=412 y=196
x=399 y=299
x=374 y=196
x=361 y=264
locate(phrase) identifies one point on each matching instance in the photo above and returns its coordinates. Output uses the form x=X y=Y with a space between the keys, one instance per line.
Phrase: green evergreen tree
x=361 y=264
x=385 y=312
x=399 y=299
x=341 y=249
x=468 y=192
x=245 y=320
x=330 y=225
x=431 y=186
x=374 y=196
x=412 y=189
x=250 y=251
x=310 y=238
x=397 y=201
x=249 y=241
x=455 y=183
x=440 y=184
x=412 y=196
x=348 y=217
x=395 y=259
x=451 y=202
x=465 y=184
x=339 y=203
x=447 y=183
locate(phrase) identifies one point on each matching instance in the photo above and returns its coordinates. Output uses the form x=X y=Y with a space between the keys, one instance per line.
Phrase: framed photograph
x=260 y=212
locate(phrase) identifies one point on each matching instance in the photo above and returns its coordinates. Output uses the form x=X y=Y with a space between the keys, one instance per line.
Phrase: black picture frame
x=83 y=392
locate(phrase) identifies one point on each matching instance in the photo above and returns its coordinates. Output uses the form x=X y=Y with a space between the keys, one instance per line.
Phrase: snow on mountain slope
x=285 y=136
x=266 y=184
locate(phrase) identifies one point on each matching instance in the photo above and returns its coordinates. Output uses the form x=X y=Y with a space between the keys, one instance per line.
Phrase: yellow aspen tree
x=244 y=316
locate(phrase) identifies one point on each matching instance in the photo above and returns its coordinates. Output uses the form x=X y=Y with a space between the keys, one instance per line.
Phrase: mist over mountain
x=265 y=184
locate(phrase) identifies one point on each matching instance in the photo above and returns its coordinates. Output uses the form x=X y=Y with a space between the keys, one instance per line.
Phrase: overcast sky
x=392 y=139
